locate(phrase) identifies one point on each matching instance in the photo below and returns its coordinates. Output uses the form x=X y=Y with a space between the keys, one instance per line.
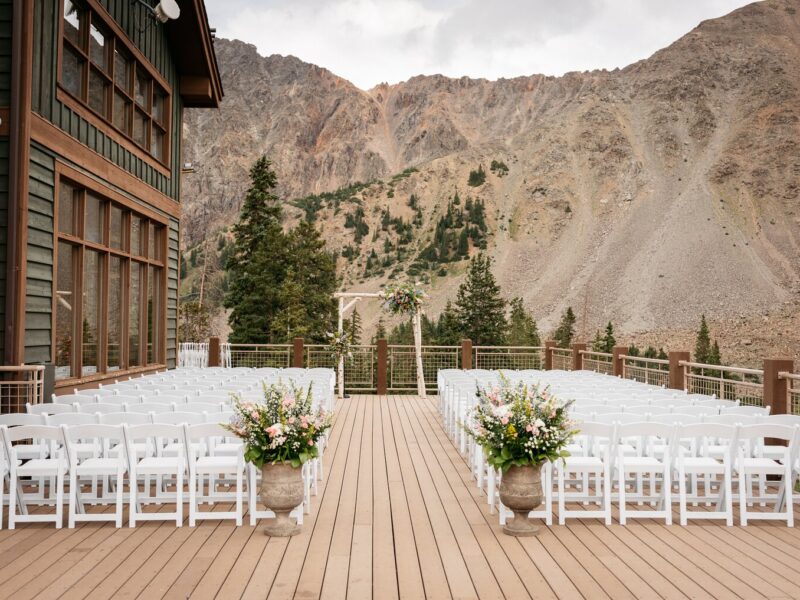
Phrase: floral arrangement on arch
x=520 y=425
x=404 y=299
x=284 y=427
x=340 y=345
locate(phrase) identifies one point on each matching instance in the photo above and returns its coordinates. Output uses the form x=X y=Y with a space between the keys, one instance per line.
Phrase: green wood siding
x=152 y=43
x=5 y=100
x=172 y=294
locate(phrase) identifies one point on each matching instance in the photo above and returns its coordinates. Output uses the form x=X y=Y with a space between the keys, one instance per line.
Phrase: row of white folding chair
x=148 y=407
x=720 y=456
x=136 y=460
x=654 y=409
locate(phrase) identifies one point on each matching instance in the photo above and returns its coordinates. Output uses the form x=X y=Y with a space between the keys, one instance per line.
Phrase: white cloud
x=369 y=41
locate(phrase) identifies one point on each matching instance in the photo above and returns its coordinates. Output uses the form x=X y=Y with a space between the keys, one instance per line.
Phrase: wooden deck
x=399 y=516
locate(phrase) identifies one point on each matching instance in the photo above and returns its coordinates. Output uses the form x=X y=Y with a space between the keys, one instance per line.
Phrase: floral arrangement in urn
x=280 y=434
x=521 y=428
x=521 y=425
x=405 y=299
x=284 y=427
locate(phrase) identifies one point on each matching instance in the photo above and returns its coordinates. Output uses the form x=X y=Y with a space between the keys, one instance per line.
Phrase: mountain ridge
x=619 y=184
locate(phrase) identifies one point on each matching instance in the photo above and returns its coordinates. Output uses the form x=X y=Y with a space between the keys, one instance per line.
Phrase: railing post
x=676 y=377
x=548 y=354
x=619 y=365
x=213 y=352
x=577 y=357
x=776 y=390
x=297 y=353
x=466 y=354
x=382 y=385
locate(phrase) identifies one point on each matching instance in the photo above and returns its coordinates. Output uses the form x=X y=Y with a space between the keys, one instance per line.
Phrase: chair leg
x=192 y=498
x=621 y=475
x=607 y=492
x=12 y=500
x=251 y=493
x=561 y=503
x=73 y=499
x=134 y=485
x=59 y=498
x=547 y=475
x=179 y=499
x=743 y=480
x=118 y=500
x=239 y=473
x=667 y=494
x=728 y=491
x=787 y=486
x=682 y=494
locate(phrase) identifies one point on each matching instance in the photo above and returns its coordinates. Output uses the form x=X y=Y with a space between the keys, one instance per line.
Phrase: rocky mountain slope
x=645 y=195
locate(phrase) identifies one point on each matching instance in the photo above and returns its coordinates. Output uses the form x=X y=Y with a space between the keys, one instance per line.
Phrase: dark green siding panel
x=5 y=100
x=152 y=43
x=172 y=293
x=39 y=285
x=5 y=52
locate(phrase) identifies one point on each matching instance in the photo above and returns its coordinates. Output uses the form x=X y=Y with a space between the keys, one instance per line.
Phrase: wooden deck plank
x=399 y=516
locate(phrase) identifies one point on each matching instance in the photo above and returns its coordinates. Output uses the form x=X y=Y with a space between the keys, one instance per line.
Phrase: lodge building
x=92 y=94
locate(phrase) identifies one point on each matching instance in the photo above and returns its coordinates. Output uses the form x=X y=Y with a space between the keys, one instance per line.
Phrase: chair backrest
x=649 y=431
x=675 y=419
x=71 y=419
x=640 y=409
x=17 y=419
x=201 y=407
x=179 y=418
x=101 y=407
x=745 y=410
x=128 y=398
x=72 y=398
x=205 y=430
x=783 y=419
x=48 y=408
x=26 y=432
x=732 y=419
x=150 y=407
x=696 y=409
x=73 y=433
x=152 y=430
x=787 y=433
x=615 y=417
x=125 y=418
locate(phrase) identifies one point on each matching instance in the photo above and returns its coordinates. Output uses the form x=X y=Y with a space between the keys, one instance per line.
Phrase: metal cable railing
x=599 y=362
x=509 y=357
x=653 y=371
x=19 y=386
x=726 y=383
x=562 y=359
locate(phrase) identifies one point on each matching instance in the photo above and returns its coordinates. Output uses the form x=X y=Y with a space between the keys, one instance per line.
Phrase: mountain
x=645 y=195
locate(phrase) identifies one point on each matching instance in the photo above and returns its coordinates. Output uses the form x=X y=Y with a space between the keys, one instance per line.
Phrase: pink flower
x=504 y=420
x=529 y=428
x=291 y=420
x=310 y=442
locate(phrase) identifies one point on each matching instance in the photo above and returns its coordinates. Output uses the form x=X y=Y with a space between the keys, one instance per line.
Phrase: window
x=98 y=69
x=109 y=313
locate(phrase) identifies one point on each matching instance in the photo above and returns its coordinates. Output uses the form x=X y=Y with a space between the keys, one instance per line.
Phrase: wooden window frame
x=117 y=39
x=83 y=185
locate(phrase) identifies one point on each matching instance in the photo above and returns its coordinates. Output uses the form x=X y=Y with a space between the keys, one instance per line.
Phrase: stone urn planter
x=521 y=492
x=281 y=492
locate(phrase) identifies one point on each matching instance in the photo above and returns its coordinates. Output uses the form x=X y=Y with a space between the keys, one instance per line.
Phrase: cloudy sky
x=370 y=41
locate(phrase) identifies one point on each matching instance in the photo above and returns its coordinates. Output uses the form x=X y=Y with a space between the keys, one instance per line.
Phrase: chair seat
x=98 y=466
x=86 y=449
x=35 y=450
x=141 y=449
x=217 y=464
x=702 y=464
x=641 y=463
x=159 y=465
x=41 y=466
x=173 y=448
x=764 y=465
x=228 y=448
x=583 y=463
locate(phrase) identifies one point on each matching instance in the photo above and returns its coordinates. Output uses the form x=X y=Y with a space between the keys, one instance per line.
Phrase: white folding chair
x=150 y=407
x=598 y=441
x=715 y=468
x=53 y=468
x=216 y=467
x=762 y=411
x=655 y=459
x=48 y=408
x=102 y=466
x=153 y=465
x=758 y=467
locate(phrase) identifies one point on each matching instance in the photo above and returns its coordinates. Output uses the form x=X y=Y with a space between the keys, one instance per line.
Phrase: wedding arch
x=403 y=300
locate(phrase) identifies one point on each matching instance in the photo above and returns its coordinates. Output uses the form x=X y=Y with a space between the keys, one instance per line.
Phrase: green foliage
x=454 y=231
x=499 y=168
x=479 y=307
x=312 y=204
x=565 y=332
x=356 y=221
x=194 y=321
x=606 y=342
x=477 y=177
x=353 y=327
x=522 y=329
x=702 y=345
x=280 y=285
x=380 y=331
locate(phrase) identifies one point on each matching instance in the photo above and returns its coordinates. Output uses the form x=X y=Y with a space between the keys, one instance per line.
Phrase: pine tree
x=315 y=272
x=353 y=327
x=702 y=346
x=290 y=320
x=598 y=343
x=380 y=331
x=565 y=331
x=522 y=329
x=255 y=263
x=449 y=328
x=480 y=309
x=609 y=341
x=714 y=356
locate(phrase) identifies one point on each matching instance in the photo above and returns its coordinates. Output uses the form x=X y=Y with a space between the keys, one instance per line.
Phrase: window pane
x=74 y=21
x=117 y=236
x=134 y=312
x=98 y=48
x=66 y=208
x=136 y=235
x=65 y=316
x=153 y=314
x=115 y=313
x=157 y=143
x=122 y=113
x=91 y=305
x=142 y=91
x=94 y=219
x=140 y=129
x=72 y=71
x=122 y=71
x=151 y=241
x=159 y=250
x=159 y=106
x=98 y=93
